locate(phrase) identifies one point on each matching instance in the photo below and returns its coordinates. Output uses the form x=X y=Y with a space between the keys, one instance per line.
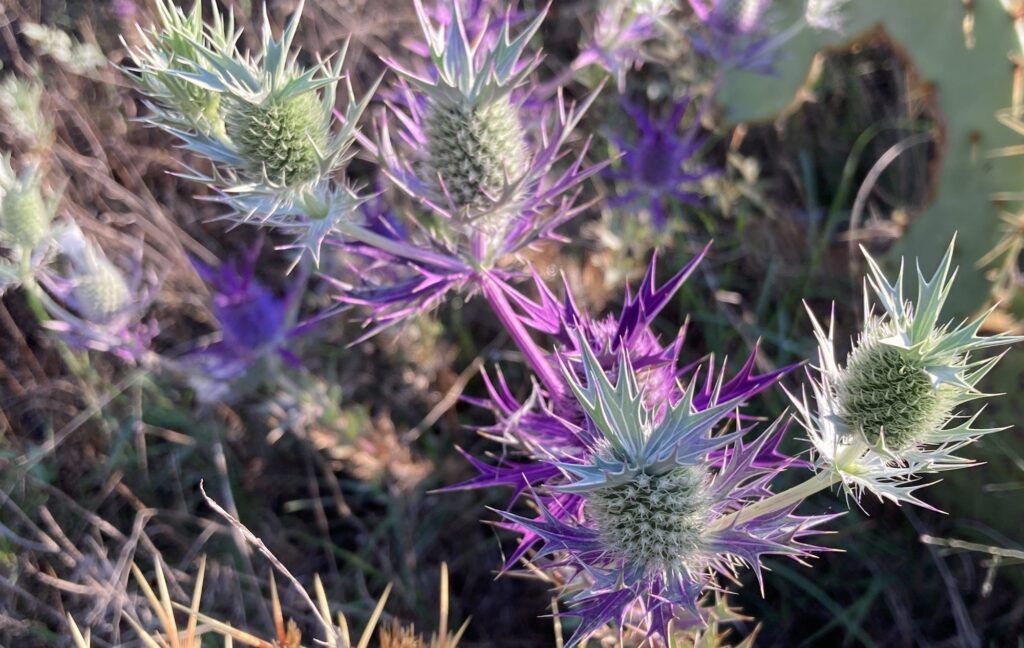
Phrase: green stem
x=779 y=501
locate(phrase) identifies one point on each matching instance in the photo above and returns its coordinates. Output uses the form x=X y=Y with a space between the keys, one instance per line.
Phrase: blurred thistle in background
x=26 y=224
x=662 y=166
x=255 y=324
x=98 y=306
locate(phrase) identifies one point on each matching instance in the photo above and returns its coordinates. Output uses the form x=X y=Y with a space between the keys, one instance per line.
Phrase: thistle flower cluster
x=631 y=469
x=621 y=31
x=263 y=120
x=890 y=413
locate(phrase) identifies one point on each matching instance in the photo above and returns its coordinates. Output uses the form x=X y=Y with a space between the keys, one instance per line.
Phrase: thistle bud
x=282 y=137
x=475 y=150
x=888 y=396
x=653 y=520
x=730 y=16
x=25 y=215
x=102 y=291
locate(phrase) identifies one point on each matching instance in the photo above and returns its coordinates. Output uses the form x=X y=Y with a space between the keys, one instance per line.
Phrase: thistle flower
x=254 y=325
x=626 y=468
x=825 y=14
x=97 y=306
x=479 y=159
x=657 y=476
x=263 y=120
x=26 y=224
x=20 y=104
x=736 y=32
x=661 y=166
x=890 y=412
x=621 y=30
x=482 y=172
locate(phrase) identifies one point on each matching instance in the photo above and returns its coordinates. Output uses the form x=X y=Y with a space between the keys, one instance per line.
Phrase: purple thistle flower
x=628 y=469
x=488 y=168
x=736 y=33
x=96 y=305
x=255 y=325
x=616 y=43
x=661 y=165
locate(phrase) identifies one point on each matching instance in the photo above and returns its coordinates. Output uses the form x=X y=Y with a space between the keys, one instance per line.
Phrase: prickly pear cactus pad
x=969 y=72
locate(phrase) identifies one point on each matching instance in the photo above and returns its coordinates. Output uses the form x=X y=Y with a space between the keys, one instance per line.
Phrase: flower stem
x=778 y=501
x=536 y=358
x=398 y=248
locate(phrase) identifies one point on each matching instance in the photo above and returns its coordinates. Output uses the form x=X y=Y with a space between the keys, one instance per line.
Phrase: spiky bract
x=172 y=48
x=889 y=414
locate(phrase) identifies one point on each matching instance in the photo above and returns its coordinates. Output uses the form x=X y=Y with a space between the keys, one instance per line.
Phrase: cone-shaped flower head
x=25 y=216
x=26 y=225
x=98 y=306
x=476 y=146
x=890 y=412
x=101 y=290
x=262 y=119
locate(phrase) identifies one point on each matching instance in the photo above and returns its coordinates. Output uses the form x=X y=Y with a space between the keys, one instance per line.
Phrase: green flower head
x=891 y=411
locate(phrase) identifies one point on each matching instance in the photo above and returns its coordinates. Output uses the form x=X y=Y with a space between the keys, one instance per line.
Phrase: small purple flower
x=661 y=165
x=629 y=468
x=255 y=324
x=736 y=33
